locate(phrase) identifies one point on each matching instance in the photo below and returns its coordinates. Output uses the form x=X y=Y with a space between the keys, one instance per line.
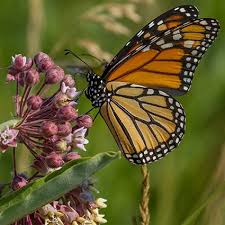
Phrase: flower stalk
x=144 y=205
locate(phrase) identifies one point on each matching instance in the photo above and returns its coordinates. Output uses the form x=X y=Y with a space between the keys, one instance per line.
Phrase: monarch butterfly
x=135 y=91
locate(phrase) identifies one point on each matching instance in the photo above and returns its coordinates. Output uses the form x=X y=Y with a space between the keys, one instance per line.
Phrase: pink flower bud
x=49 y=143
x=41 y=165
x=64 y=129
x=12 y=71
x=49 y=128
x=71 y=156
x=19 y=62
x=54 y=160
x=10 y=77
x=18 y=182
x=84 y=121
x=31 y=77
x=34 y=102
x=43 y=62
x=69 y=81
x=67 y=113
x=53 y=139
x=54 y=75
x=29 y=64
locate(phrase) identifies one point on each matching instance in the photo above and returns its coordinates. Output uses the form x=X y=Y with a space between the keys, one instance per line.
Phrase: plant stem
x=14 y=161
x=144 y=205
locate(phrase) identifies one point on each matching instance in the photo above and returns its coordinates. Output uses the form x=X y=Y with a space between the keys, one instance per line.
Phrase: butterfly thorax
x=96 y=91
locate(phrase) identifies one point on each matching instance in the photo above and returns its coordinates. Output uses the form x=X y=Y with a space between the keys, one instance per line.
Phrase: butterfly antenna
x=80 y=94
x=67 y=52
x=96 y=115
x=101 y=61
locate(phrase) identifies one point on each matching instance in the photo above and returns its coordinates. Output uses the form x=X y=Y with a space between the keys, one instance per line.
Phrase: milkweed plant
x=47 y=122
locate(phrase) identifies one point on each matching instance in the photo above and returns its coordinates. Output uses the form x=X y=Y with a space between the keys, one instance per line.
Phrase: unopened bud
x=41 y=165
x=49 y=128
x=18 y=182
x=84 y=121
x=64 y=129
x=31 y=77
x=21 y=63
x=54 y=160
x=67 y=113
x=54 y=75
x=68 y=80
x=43 y=62
x=34 y=102
x=71 y=156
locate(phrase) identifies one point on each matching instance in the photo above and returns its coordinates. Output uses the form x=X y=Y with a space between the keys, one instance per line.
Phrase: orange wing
x=156 y=28
x=146 y=123
x=168 y=62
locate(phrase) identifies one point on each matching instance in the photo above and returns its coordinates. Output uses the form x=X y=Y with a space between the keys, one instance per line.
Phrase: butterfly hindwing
x=146 y=123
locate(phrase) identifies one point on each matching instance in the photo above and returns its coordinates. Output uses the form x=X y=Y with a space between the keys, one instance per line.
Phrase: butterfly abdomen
x=96 y=91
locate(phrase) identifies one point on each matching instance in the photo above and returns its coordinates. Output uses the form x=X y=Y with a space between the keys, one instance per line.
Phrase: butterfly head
x=96 y=91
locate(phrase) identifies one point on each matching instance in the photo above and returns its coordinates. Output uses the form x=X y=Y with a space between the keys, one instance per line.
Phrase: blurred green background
x=180 y=181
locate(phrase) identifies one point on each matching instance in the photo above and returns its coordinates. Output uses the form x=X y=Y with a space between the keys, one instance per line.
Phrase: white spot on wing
x=177 y=37
x=127 y=43
x=151 y=24
x=160 y=42
x=203 y=22
x=146 y=49
x=163 y=93
x=188 y=44
x=140 y=33
x=176 y=32
x=167 y=32
x=194 y=52
x=168 y=45
x=188 y=65
x=150 y=91
x=136 y=85
x=160 y=22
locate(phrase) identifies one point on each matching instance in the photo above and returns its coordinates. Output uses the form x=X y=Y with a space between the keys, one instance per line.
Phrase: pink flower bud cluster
x=50 y=125
x=51 y=129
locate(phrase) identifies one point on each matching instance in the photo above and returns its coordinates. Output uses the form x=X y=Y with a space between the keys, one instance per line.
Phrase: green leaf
x=49 y=188
x=9 y=123
x=194 y=216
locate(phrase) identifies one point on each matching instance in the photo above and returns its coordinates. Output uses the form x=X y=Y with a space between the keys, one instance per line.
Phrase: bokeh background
x=185 y=178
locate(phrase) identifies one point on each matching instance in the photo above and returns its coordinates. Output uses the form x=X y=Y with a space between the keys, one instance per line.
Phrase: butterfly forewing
x=169 y=63
x=146 y=123
x=167 y=21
